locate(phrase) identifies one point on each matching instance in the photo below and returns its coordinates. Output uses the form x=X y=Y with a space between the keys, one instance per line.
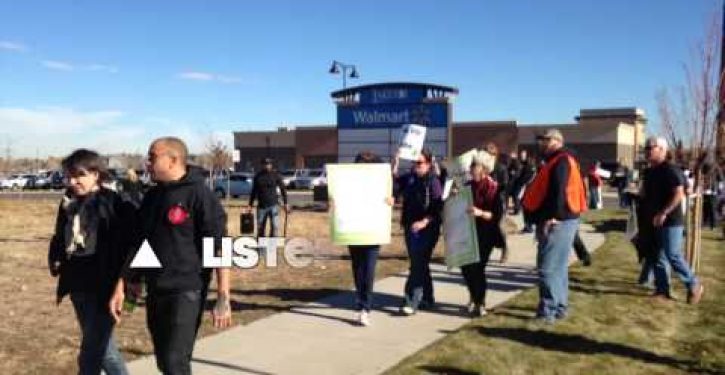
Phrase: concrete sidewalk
x=321 y=337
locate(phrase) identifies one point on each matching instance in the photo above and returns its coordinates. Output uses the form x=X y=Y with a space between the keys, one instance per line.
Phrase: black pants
x=580 y=249
x=475 y=276
x=173 y=320
x=709 y=211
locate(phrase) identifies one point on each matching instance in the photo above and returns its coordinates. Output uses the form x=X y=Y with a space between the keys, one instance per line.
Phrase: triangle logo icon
x=145 y=257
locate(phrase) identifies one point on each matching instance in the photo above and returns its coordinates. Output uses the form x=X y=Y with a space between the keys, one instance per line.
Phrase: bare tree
x=693 y=125
x=694 y=121
x=217 y=155
x=668 y=117
x=703 y=83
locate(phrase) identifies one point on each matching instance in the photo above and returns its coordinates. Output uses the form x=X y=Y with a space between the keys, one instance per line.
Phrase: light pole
x=335 y=69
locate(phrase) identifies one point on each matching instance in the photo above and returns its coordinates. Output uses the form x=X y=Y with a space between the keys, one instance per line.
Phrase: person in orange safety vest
x=554 y=200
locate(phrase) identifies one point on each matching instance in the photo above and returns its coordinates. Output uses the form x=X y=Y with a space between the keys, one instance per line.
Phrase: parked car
x=315 y=177
x=17 y=181
x=291 y=176
x=44 y=180
x=239 y=184
x=57 y=180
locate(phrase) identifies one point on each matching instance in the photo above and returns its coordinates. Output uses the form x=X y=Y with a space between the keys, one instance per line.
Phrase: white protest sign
x=412 y=138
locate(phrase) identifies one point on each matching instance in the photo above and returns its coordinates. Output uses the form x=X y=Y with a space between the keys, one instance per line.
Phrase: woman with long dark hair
x=421 y=220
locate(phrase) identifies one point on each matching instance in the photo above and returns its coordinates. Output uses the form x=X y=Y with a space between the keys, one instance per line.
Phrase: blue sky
x=115 y=74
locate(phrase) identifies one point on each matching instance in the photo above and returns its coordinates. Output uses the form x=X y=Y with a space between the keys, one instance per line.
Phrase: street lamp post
x=338 y=66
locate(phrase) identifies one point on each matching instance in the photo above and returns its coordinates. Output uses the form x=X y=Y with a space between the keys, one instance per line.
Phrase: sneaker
x=695 y=295
x=363 y=318
x=407 y=310
x=470 y=308
x=478 y=311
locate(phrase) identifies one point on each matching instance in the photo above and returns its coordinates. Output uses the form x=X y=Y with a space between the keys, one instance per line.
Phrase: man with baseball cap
x=266 y=188
x=554 y=200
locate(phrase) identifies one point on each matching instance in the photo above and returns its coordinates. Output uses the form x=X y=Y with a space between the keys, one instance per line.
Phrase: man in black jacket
x=175 y=216
x=265 y=192
x=554 y=200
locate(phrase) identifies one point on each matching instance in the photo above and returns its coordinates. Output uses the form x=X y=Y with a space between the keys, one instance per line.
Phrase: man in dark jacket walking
x=175 y=217
x=266 y=189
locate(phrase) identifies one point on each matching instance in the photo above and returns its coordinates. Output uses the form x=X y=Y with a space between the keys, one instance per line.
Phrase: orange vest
x=576 y=197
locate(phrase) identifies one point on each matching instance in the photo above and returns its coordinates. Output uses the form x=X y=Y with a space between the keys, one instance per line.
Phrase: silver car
x=315 y=177
x=239 y=184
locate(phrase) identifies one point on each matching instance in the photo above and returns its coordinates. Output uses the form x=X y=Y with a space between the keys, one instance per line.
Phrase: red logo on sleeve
x=177 y=214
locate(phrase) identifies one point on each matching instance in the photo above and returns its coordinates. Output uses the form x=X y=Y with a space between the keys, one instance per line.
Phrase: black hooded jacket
x=99 y=272
x=175 y=217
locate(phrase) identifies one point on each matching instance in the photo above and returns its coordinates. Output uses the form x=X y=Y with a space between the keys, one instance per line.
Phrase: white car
x=314 y=177
x=290 y=177
x=16 y=181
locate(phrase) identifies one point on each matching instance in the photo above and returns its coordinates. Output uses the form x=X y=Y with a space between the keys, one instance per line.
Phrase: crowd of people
x=99 y=231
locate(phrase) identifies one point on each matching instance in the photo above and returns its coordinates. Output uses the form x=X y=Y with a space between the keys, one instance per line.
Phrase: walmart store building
x=369 y=117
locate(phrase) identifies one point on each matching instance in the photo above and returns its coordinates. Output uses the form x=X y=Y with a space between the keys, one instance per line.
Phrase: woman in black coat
x=86 y=253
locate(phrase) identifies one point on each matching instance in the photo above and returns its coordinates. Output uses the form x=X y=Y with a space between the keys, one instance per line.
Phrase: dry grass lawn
x=39 y=337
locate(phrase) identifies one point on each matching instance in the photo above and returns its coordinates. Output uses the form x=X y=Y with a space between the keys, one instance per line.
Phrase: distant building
x=370 y=116
x=608 y=135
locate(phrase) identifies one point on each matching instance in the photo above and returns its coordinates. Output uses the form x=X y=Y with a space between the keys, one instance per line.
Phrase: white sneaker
x=364 y=319
x=470 y=308
x=408 y=310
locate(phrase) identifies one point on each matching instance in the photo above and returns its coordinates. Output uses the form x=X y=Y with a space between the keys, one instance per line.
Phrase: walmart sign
x=393 y=115
x=370 y=117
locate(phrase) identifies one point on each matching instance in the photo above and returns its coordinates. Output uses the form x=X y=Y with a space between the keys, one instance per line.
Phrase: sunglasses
x=649 y=148
x=419 y=162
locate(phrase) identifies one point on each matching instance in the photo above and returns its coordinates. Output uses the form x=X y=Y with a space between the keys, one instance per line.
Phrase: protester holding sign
x=500 y=174
x=412 y=138
x=487 y=209
x=421 y=220
x=364 y=259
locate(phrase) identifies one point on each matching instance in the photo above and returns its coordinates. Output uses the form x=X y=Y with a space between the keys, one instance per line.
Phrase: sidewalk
x=321 y=338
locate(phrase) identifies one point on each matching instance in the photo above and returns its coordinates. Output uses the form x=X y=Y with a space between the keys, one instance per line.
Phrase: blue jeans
x=364 y=258
x=419 y=285
x=594 y=197
x=552 y=262
x=263 y=213
x=670 y=252
x=98 y=349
